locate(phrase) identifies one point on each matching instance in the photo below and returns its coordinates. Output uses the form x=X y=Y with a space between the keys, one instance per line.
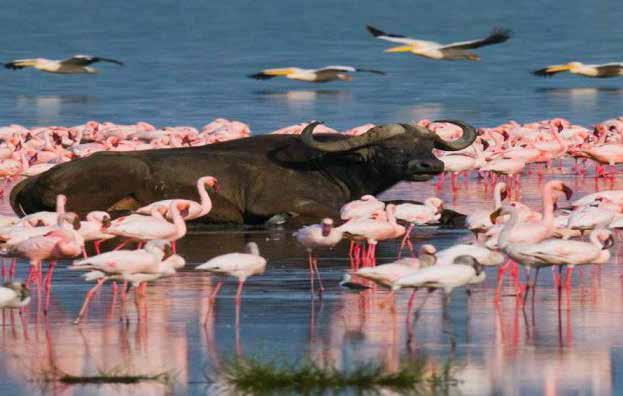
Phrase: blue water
x=186 y=62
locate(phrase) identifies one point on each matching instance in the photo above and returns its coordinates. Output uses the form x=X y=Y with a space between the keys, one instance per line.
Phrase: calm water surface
x=186 y=64
x=566 y=346
x=187 y=61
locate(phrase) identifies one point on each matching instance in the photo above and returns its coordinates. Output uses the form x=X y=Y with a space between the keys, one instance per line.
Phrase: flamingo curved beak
x=494 y=215
x=608 y=242
x=568 y=191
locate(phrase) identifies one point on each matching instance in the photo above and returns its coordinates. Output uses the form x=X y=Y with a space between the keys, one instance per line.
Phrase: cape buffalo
x=310 y=176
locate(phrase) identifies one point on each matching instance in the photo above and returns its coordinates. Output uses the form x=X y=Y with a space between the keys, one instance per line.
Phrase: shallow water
x=186 y=62
x=561 y=346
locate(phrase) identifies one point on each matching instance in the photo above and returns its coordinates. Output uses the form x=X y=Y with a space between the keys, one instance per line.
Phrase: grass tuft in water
x=113 y=376
x=254 y=376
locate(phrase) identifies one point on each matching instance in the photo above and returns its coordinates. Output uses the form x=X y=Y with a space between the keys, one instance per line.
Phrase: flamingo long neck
x=391 y=216
x=78 y=137
x=508 y=228
x=497 y=195
x=46 y=138
x=206 y=202
x=559 y=140
x=548 y=207
x=25 y=164
x=60 y=206
x=178 y=220
x=594 y=239
x=254 y=250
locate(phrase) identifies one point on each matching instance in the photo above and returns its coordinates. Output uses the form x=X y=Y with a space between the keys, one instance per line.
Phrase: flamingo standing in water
x=562 y=253
x=195 y=209
x=514 y=231
x=374 y=230
x=318 y=236
x=418 y=214
x=145 y=228
x=387 y=274
x=364 y=208
x=45 y=218
x=94 y=229
x=464 y=271
x=135 y=266
x=56 y=244
x=239 y=265
x=479 y=221
x=509 y=167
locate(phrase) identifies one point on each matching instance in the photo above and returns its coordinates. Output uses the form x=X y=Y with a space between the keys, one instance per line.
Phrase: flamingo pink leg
x=442 y=179
x=569 y=277
x=97 y=244
x=124 y=291
x=239 y=290
x=122 y=244
x=48 y=285
x=217 y=288
x=88 y=298
x=12 y=270
x=406 y=238
x=310 y=262
x=321 y=287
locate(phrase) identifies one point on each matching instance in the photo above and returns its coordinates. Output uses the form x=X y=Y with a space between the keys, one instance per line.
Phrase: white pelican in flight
x=325 y=74
x=434 y=50
x=597 y=71
x=74 y=65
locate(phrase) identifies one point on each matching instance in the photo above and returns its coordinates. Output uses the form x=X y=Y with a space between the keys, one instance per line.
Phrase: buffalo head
x=398 y=151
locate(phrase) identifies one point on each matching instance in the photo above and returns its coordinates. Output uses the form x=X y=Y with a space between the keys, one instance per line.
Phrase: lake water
x=567 y=345
x=186 y=62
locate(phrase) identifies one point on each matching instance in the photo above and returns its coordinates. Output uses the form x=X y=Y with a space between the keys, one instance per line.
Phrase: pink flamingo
x=318 y=236
x=94 y=229
x=373 y=230
x=145 y=228
x=414 y=214
x=514 y=231
x=239 y=265
x=134 y=266
x=195 y=209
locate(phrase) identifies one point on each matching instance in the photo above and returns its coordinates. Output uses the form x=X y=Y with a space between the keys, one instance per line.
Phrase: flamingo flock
x=508 y=235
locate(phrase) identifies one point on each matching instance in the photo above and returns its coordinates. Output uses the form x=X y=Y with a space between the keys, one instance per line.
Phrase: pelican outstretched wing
x=497 y=36
x=85 y=60
x=398 y=38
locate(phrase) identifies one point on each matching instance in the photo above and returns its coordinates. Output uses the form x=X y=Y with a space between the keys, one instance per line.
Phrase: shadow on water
x=580 y=91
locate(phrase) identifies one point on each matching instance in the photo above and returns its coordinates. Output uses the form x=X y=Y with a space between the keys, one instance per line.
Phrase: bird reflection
x=49 y=108
x=302 y=98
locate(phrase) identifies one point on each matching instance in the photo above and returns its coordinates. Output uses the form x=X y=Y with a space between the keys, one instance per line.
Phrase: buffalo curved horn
x=374 y=135
x=469 y=135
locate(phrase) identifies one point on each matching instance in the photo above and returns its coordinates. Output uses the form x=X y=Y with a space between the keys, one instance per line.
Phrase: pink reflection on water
x=561 y=345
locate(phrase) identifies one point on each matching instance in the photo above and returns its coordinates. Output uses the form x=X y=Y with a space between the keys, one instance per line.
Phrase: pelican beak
x=494 y=216
x=557 y=68
x=568 y=192
x=402 y=48
x=278 y=72
x=608 y=242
